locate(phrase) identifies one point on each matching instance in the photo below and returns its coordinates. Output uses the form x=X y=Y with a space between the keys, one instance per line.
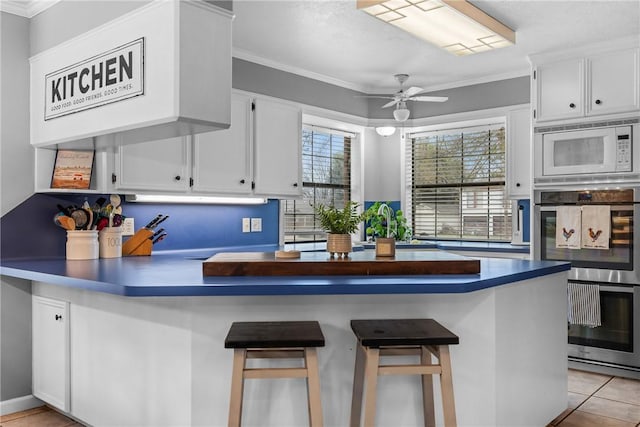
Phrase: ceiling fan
x=400 y=98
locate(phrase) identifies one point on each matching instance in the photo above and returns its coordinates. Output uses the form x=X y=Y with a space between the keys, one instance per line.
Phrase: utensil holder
x=110 y=242
x=82 y=244
x=138 y=244
x=385 y=247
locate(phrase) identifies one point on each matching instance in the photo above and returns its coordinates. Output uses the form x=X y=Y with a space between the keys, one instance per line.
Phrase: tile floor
x=595 y=400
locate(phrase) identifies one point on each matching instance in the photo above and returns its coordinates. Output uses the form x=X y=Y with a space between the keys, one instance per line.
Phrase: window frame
x=475 y=120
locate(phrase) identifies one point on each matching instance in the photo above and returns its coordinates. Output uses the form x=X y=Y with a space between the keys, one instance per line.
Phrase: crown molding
x=251 y=57
x=26 y=8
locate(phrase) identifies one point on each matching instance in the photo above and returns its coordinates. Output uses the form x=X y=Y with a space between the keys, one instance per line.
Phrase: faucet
x=381 y=211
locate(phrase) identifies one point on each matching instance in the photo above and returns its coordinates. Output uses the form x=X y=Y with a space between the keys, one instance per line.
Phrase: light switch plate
x=256 y=225
x=246 y=225
x=128 y=227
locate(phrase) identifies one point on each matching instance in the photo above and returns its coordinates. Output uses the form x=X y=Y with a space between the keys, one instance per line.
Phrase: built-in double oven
x=569 y=180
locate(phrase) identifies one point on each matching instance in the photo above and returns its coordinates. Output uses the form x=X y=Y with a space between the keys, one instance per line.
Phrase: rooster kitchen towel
x=568 y=221
x=596 y=227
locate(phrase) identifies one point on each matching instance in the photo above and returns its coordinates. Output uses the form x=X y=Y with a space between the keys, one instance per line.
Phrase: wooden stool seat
x=402 y=337
x=268 y=340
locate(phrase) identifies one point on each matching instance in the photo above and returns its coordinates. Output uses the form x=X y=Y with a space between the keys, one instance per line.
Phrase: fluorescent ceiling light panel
x=454 y=25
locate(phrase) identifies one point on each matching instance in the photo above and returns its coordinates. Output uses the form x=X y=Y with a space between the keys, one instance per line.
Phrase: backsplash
x=29 y=230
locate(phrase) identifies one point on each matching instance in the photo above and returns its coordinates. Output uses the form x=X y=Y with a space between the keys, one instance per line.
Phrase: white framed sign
x=112 y=76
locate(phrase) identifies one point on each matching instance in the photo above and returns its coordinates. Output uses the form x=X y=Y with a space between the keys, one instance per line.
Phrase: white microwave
x=592 y=151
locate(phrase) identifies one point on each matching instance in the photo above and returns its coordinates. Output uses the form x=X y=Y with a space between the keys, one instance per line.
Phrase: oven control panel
x=623 y=152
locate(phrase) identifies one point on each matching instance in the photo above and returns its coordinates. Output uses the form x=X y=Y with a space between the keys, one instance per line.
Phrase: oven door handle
x=620 y=289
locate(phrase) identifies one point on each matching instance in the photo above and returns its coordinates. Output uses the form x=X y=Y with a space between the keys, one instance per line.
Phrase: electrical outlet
x=246 y=225
x=256 y=225
x=128 y=227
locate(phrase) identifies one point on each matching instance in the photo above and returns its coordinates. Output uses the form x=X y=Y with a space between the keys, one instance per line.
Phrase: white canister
x=82 y=244
x=110 y=242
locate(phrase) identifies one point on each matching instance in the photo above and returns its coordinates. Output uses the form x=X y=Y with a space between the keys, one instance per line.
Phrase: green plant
x=340 y=221
x=377 y=224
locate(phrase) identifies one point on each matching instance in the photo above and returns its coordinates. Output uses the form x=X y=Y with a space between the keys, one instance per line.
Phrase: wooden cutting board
x=362 y=263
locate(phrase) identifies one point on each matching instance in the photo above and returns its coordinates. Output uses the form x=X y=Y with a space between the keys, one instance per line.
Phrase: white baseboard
x=19 y=404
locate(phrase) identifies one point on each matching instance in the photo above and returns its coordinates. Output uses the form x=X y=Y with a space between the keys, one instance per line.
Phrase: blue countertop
x=179 y=273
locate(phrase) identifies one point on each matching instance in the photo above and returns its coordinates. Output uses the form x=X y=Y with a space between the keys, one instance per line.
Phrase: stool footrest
x=275 y=373
x=409 y=370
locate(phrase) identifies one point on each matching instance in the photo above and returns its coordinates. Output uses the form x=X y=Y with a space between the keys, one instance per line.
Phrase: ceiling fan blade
x=429 y=98
x=389 y=104
x=374 y=96
x=413 y=90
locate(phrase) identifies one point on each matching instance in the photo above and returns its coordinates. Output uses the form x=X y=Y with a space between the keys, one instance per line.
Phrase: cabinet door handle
x=517 y=184
x=572 y=105
x=242 y=181
x=295 y=184
x=58 y=317
x=598 y=102
x=177 y=178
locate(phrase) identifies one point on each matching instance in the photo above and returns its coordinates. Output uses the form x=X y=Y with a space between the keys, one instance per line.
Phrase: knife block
x=138 y=244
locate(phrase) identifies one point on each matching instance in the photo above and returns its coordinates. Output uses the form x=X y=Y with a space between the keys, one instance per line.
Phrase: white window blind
x=457 y=183
x=326 y=176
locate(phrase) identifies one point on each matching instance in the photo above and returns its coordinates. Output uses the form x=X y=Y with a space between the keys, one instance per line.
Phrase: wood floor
x=595 y=400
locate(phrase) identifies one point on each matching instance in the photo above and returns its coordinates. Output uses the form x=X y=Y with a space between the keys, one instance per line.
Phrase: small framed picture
x=72 y=169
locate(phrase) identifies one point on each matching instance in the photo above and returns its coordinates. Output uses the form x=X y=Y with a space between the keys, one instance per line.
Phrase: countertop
x=179 y=273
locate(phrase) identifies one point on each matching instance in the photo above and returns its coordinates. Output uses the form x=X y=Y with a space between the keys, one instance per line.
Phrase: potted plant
x=377 y=224
x=339 y=224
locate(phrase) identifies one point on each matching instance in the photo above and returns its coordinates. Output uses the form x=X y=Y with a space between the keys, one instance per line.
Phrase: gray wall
x=16 y=180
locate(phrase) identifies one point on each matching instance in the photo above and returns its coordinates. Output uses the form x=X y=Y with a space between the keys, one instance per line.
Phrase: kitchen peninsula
x=146 y=339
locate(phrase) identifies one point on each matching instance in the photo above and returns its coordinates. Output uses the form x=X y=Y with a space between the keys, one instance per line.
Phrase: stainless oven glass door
x=617 y=341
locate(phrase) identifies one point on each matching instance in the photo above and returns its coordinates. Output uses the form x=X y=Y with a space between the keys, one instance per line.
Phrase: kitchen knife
x=161 y=220
x=156 y=234
x=160 y=238
x=154 y=222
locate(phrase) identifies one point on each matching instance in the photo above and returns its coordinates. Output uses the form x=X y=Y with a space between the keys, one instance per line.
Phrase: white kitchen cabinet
x=222 y=160
x=519 y=154
x=560 y=90
x=154 y=166
x=258 y=155
x=50 y=349
x=601 y=83
x=614 y=82
x=277 y=142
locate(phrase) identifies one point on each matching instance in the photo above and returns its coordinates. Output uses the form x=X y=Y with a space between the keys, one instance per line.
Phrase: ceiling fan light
x=385 y=130
x=401 y=114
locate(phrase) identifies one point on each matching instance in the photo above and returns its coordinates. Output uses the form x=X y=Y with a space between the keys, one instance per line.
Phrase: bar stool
x=401 y=337
x=268 y=340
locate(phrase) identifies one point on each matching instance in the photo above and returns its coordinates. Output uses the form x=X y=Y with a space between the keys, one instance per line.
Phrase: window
x=457 y=182
x=326 y=176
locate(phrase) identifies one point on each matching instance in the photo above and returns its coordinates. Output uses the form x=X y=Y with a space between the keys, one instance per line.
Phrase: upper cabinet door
x=222 y=159
x=560 y=90
x=519 y=154
x=278 y=137
x=614 y=82
x=156 y=165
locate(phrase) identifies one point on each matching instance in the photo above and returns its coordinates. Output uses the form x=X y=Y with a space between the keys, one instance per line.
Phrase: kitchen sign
x=109 y=77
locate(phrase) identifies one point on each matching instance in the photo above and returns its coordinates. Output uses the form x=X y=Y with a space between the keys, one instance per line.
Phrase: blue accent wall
x=526 y=215
x=28 y=231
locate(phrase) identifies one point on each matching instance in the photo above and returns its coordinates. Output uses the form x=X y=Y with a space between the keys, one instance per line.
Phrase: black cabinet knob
x=295 y=184
x=572 y=105
x=177 y=178
x=598 y=102
x=517 y=184
x=242 y=181
x=58 y=317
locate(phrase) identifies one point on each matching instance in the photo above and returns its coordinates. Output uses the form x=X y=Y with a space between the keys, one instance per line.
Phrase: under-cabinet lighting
x=152 y=198
x=385 y=130
x=454 y=25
